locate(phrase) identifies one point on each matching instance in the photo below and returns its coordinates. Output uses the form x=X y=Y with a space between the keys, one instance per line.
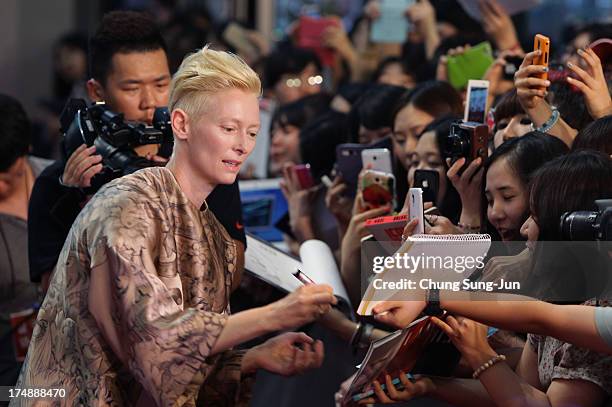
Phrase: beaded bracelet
x=488 y=364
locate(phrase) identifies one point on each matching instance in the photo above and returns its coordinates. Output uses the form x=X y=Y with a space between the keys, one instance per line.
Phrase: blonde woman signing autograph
x=137 y=309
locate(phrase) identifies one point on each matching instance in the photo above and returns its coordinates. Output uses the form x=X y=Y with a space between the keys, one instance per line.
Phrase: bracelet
x=488 y=364
x=356 y=335
x=362 y=336
x=468 y=228
x=552 y=120
x=366 y=337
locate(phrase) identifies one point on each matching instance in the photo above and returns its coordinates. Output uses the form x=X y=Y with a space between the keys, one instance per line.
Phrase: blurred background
x=44 y=42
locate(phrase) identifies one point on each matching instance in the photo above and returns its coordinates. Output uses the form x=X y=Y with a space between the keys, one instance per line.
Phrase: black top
x=53 y=208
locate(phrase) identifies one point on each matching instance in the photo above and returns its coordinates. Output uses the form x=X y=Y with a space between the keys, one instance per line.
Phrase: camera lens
x=578 y=226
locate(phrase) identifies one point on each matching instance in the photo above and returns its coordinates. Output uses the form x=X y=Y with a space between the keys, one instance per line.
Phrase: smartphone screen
x=477 y=104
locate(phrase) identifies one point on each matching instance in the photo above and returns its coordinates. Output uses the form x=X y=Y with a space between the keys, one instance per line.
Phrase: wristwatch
x=433 y=308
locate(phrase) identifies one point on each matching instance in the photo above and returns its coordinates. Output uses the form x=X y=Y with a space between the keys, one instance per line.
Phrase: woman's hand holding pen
x=302 y=306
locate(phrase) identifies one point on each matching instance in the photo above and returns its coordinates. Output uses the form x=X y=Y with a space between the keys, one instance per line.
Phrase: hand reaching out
x=469 y=337
x=288 y=354
x=399 y=314
x=420 y=387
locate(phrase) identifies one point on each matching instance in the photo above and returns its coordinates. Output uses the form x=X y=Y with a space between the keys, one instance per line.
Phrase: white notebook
x=277 y=267
x=430 y=249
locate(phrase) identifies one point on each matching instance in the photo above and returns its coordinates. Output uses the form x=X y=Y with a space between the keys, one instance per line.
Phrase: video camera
x=114 y=138
x=588 y=225
x=466 y=139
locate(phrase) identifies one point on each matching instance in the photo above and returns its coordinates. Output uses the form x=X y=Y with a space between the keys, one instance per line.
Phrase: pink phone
x=304 y=176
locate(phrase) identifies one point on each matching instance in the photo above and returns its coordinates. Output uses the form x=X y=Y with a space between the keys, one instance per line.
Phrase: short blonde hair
x=207 y=72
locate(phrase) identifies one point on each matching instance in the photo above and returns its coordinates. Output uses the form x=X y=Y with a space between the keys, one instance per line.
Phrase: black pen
x=299 y=274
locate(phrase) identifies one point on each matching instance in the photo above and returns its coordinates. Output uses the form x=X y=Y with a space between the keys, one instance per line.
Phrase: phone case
x=377 y=188
x=378 y=159
x=541 y=42
x=310 y=35
x=304 y=176
x=349 y=162
x=428 y=181
x=480 y=143
x=416 y=209
x=472 y=64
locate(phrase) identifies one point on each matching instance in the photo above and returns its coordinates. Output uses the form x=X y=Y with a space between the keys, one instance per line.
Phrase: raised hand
x=592 y=83
x=531 y=90
x=497 y=23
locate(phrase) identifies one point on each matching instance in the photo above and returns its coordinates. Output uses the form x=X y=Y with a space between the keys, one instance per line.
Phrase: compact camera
x=466 y=139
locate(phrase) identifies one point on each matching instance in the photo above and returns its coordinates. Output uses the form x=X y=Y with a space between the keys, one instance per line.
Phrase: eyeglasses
x=297 y=82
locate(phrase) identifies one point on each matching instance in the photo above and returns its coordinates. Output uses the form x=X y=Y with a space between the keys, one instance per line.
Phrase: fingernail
x=569 y=64
x=545 y=69
x=580 y=51
x=547 y=83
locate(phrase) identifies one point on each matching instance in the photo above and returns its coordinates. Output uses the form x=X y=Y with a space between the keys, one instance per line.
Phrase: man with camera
x=130 y=73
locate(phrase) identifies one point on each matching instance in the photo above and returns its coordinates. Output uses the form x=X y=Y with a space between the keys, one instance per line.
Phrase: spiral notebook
x=435 y=257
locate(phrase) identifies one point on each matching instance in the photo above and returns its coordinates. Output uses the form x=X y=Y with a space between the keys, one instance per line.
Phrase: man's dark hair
x=15 y=133
x=122 y=32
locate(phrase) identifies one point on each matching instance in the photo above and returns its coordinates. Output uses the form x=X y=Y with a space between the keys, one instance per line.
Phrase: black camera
x=588 y=225
x=114 y=138
x=466 y=139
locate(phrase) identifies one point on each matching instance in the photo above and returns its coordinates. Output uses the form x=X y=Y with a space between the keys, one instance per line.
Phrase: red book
x=387 y=228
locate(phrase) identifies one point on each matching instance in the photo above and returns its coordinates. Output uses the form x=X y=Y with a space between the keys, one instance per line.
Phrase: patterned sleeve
x=227 y=386
x=166 y=348
x=584 y=364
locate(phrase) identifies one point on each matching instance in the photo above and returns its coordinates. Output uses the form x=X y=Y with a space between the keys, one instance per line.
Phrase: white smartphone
x=378 y=159
x=476 y=101
x=416 y=209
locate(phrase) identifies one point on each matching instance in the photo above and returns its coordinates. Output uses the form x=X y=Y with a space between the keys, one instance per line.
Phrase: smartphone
x=416 y=209
x=349 y=162
x=429 y=182
x=378 y=159
x=542 y=43
x=472 y=64
x=512 y=65
x=476 y=101
x=304 y=175
x=377 y=189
